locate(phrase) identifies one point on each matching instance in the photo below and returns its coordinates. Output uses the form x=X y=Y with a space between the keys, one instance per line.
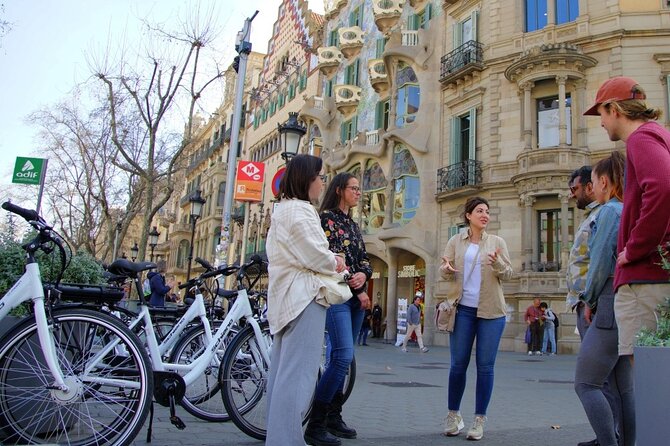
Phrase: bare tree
x=5 y=26
x=171 y=76
x=86 y=185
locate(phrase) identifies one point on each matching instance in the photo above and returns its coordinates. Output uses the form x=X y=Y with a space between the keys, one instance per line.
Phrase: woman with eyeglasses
x=343 y=322
x=297 y=248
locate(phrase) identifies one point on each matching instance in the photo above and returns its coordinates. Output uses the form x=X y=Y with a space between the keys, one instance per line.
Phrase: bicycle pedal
x=176 y=421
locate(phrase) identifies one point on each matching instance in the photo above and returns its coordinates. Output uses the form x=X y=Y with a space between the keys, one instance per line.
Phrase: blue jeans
x=488 y=333
x=343 y=323
x=549 y=336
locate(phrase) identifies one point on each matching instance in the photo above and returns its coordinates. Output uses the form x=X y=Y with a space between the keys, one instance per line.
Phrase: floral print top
x=344 y=237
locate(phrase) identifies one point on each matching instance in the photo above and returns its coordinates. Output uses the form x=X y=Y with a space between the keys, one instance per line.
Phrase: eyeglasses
x=324 y=178
x=354 y=188
x=573 y=189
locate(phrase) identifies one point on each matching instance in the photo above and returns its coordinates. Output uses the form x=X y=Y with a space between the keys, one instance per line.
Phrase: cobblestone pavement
x=400 y=399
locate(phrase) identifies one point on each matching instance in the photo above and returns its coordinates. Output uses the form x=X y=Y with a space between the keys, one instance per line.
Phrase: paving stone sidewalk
x=400 y=399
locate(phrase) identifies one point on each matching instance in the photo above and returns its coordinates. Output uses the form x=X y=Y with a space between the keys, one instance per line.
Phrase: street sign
x=28 y=170
x=276 y=180
x=249 y=181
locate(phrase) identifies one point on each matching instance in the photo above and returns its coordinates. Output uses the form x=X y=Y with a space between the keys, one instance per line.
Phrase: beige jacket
x=297 y=248
x=491 y=299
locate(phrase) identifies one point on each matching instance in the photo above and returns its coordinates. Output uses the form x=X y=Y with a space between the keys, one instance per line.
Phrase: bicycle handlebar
x=221 y=271
x=204 y=263
x=28 y=214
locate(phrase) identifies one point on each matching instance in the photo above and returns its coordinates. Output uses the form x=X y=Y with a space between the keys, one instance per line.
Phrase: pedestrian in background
x=533 y=318
x=475 y=263
x=365 y=328
x=549 y=336
x=297 y=248
x=343 y=321
x=414 y=323
x=158 y=285
x=377 y=321
x=639 y=281
x=598 y=361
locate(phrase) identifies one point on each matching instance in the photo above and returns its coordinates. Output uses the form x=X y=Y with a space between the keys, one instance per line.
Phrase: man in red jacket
x=640 y=282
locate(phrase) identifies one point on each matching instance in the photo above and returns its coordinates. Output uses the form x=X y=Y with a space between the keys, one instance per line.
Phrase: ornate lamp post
x=134 y=251
x=153 y=240
x=196 y=208
x=290 y=134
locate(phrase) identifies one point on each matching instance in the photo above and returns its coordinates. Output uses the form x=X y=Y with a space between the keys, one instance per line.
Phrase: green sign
x=28 y=170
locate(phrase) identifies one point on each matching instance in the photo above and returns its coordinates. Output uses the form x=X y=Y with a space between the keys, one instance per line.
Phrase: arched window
x=405 y=186
x=408 y=95
x=182 y=254
x=374 y=197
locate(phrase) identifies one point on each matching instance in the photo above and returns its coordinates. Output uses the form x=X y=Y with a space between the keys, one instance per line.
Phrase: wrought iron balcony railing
x=470 y=54
x=456 y=176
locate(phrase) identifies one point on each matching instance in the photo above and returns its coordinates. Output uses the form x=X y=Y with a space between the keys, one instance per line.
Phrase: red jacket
x=645 y=221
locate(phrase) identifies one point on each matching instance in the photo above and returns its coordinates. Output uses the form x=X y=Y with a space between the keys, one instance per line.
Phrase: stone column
x=527 y=241
x=562 y=125
x=391 y=299
x=564 y=197
x=578 y=108
x=551 y=12
x=527 y=115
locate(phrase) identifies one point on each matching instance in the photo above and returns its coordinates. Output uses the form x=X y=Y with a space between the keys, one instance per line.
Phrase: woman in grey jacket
x=297 y=249
x=475 y=262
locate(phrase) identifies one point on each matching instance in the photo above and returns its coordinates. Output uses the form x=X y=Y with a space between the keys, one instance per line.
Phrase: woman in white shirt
x=297 y=249
x=475 y=262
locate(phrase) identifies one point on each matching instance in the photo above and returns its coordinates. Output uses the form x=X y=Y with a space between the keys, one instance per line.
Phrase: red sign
x=276 y=180
x=249 y=181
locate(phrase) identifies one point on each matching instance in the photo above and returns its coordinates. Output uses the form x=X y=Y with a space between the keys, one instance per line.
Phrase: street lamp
x=153 y=240
x=290 y=134
x=196 y=208
x=134 y=251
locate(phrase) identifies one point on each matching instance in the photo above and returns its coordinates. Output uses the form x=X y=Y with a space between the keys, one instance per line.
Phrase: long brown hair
x=300 y=172
x=334 y=192
x=613 y=167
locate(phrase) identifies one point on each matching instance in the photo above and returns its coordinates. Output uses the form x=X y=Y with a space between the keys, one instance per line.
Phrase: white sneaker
x=424 y=349
x=476 y=432
x=404 y=349
x=538 y=353
x=530 y=353
x=453 y=424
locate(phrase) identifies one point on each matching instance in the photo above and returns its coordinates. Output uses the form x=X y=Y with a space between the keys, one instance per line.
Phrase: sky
x=44 y=55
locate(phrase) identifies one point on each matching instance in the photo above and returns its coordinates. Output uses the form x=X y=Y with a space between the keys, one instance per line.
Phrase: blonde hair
x=635 y=108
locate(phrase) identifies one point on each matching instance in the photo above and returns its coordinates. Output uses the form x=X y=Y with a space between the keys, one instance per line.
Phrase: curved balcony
x=418 y=5
x=347 y=98
x=378 y=76
x=351 y=41
x=387 y=13
x=329 y=60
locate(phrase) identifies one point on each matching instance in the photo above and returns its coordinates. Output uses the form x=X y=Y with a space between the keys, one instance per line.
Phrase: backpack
x=555 y=318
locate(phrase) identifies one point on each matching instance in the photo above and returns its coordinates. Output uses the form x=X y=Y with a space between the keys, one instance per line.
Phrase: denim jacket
x=603 y=250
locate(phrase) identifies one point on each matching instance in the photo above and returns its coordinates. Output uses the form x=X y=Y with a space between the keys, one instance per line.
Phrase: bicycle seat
x=123 y=267
x=226 y=294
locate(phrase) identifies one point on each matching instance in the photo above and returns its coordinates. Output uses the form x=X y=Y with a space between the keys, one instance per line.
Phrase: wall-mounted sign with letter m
x=249 y=181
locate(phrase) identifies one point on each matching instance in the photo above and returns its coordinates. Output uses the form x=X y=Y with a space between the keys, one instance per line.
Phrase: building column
x=551 y=12
x=578 y=108
x=391 y=299
x=527 y=115
x=527 y=239
x=565 y=218
x=562 y=124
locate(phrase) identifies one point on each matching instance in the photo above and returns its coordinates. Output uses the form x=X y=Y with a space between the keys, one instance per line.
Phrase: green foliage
x=12 y=259
x=661 y=336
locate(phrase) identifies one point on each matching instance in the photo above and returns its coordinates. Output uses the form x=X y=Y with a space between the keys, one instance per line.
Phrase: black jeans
x=536 y=335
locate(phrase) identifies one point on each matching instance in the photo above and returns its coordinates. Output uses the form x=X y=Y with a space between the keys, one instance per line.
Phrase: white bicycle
x=68 y=375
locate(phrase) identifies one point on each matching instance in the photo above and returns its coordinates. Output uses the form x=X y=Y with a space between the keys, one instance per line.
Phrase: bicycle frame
x=240 y=309
x=29 y=287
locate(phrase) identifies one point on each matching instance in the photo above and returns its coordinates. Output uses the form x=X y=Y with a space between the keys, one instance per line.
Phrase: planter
x=652 y=395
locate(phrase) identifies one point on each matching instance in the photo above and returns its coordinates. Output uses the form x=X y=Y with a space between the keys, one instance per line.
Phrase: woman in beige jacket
x=297 y=249
x=474 y=263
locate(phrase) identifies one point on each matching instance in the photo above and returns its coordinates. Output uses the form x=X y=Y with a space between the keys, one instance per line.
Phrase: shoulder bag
x=337 y=290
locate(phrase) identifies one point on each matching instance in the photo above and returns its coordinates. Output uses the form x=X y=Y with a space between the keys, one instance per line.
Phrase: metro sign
x=249 y=181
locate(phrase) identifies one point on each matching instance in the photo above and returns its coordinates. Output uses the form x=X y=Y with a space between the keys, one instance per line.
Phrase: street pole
x=190 y=250
x=116 y=240
x=243 y=48
x=42 y=180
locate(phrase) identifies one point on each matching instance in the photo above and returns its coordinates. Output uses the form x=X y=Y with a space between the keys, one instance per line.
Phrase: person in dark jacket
x=159 y=288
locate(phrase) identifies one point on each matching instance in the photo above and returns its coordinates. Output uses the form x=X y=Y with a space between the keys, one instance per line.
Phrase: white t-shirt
x=471 y=281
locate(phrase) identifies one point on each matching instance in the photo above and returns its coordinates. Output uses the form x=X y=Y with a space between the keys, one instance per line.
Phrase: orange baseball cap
x=619 y=88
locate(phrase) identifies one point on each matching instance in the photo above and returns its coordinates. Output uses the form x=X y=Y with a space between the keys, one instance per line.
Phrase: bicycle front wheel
x=107 y=373
x=243 y=377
